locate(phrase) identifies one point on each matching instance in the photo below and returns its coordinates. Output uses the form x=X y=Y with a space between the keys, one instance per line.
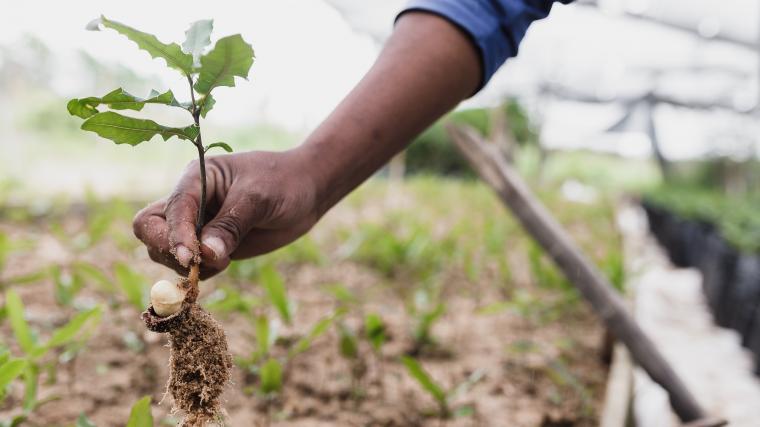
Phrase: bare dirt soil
x=534 y=372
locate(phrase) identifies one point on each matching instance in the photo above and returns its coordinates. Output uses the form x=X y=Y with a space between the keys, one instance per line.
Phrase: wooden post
x=594 y=287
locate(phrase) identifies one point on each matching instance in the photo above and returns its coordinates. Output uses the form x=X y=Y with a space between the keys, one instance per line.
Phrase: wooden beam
x=595 y=288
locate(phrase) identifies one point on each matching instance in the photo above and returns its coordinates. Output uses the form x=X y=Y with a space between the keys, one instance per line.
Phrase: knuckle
x=138 y=224
x=141 y=221
x=264 y=204
x=179 y=205
x=231 y=225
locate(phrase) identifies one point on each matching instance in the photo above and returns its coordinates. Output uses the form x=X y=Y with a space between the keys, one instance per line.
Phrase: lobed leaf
x=140 y=415
x=230 y=57
x=81 y=109
x=207 y=104
x=119 y=99
x=129 y=130
x=197 y=37
x=172 y=53
x=223 y=145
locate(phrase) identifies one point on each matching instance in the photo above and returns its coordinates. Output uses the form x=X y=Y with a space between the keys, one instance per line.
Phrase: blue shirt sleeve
x=496 y=27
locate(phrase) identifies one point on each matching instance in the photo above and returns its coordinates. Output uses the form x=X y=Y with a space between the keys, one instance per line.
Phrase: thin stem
x=196 y=112
x=202 y=206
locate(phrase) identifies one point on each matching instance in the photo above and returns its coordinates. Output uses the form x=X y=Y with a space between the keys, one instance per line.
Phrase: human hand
x=257 y=202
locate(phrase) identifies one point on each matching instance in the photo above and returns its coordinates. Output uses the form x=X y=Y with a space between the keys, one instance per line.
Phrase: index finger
x=151 y=227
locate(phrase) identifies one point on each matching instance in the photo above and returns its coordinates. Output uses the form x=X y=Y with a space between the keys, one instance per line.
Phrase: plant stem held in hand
x=199 y=361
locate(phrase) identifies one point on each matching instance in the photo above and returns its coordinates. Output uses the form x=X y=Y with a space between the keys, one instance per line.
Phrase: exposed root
x=199 y=361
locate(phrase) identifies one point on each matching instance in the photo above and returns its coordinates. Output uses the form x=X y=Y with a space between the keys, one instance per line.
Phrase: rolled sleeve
x=495 y=27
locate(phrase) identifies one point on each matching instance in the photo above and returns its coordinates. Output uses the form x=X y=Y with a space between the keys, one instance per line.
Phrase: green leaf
x=341 y=293
x=91 y=271
x=374 y=328
x=425 y=323
x=5 y=248
x=15 y=309
x=81 y=109
x=347 y=343
x=230 y=57
x=16 y=421
x=140 y=415
x=271 y=376
x=316 y=331
x=207 y=105
x=263 y=336
x=197 y=37
x=133 y=285
x=83 y=421
x=467 y=384
x=221 y=145
x=10 y=370
x=119 y=99
x=69 y=331
x=31 y=384
x=424 y=379
x=275 y=289
x=128 y=130
x=172 y=53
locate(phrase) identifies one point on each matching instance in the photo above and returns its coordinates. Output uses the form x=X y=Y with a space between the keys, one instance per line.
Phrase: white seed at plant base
x=166 y=298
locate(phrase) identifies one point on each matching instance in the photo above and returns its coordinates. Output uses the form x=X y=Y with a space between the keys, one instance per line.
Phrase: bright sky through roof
x=307 y=57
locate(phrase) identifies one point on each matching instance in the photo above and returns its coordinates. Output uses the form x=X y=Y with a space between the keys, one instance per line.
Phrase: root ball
x=199 y=362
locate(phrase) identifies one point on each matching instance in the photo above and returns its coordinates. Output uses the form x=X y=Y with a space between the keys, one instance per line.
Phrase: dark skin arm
x=260 y=201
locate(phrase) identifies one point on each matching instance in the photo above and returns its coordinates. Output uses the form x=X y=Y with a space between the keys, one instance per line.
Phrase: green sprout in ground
x=442 y=396
x=199 y=361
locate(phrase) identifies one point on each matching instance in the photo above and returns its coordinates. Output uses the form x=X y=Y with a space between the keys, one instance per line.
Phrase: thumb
x=226 y=230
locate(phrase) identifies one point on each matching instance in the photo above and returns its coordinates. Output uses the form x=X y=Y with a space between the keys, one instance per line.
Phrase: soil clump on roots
x=199 y=360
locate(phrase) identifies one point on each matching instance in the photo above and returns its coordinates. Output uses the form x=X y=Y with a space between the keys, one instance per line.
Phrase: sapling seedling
x=442 y=396
x=199 y=360
x=376 y=333
x=77 y=330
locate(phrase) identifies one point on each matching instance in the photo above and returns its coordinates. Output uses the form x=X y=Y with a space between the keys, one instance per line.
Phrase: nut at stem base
x=166 y=298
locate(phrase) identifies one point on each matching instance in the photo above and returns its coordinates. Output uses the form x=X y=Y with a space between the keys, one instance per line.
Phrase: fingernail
x=183 y=255
x=216 y=245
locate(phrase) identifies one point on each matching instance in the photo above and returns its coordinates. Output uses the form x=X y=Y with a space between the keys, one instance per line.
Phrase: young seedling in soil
x=70 y=336
x=348 y=346
x=375 y=332
x=425 y=313
x=441 y=395
x=199 y=360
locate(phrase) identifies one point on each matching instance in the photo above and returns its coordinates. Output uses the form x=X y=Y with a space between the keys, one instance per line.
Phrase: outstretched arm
x=426 y=68
x=260 y=201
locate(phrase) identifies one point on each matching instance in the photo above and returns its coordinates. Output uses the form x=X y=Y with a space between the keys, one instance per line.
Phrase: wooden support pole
x=594 y=287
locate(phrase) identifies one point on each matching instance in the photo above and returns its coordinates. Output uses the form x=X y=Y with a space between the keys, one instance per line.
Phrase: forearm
x=424 y=70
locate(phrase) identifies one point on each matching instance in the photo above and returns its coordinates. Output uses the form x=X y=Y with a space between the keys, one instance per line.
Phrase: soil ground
x=534 y=373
